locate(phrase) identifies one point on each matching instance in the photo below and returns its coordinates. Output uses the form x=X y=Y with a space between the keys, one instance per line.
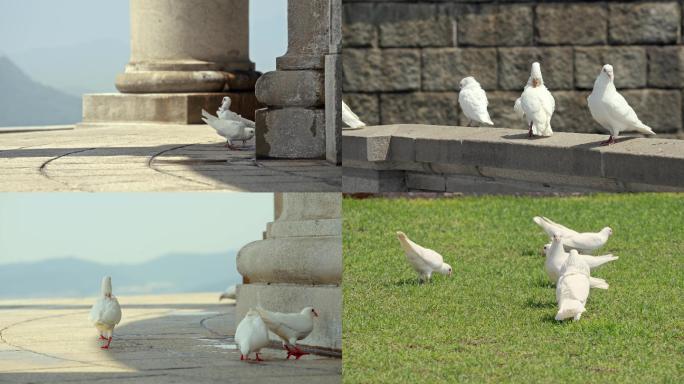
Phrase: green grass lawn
x=492 y=321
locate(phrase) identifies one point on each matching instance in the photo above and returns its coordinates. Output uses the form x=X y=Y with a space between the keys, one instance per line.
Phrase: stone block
x=327 y=300
x=515 y=65
x=413 y=25
x=335 y=12
x=658 y=108
x=359 y=28
x=425 y=182
x=373 y=70
x=356 y=180
x=439 y=108
x=571 y=24
x=666 y=66
x=333 y=108
x=291 y=89
x=629 y=64
x=443 y=68
x=367 y=106
x=494 y=25
x=649 y=162
x=572 y=113
x=644 y=23
x=176 y=108
x=291 y=133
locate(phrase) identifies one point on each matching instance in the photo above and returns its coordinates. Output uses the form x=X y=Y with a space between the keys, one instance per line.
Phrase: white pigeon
x=251 y=335
x=230 y=293
x=473 y=101
x=229 y=124
x=536 y=104
x=611 y=110
x=556 y=257
x=425 y=261
x=106 y=312
x=290 y=327
x=583 y=242
x=351 y=119
x=572 y=289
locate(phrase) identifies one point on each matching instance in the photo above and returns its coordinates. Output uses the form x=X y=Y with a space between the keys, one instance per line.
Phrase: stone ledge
x=424 y=157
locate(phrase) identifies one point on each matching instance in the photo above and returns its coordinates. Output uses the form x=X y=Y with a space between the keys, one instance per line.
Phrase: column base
x=290 y=133
x=163 y=108
x=326 y=299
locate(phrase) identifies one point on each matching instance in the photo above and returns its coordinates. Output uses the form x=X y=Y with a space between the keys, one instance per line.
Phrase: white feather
x=473 y=101
x=424 y=261
x=251 y=334
x=350 y=119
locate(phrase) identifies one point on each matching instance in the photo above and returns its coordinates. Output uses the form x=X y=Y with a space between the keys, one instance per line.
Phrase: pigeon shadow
x=551 y=318
x=523 y=136
x=598 y=144
x=534 y=303
x=406 y=282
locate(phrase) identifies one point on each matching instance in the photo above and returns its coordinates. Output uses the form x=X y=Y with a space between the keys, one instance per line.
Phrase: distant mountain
x=26 y=102
x=77 y=68
x=71 y=277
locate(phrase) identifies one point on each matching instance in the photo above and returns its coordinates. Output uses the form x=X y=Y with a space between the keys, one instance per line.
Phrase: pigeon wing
x=287 y=326
x=350 y=118
x=474 y=103
x=623 y=116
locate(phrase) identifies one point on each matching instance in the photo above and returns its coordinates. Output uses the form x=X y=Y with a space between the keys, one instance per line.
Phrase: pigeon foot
x=296 y=352
x=109 y=341
x=611 y=140
x=102 y=337
x=259 y=358
x=529 y=133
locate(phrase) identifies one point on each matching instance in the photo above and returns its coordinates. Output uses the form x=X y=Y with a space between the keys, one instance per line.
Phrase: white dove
x=229 y=124
x=350 y=119
x=106 y=312
x=556 y=257
x=290 y=327
x=536 y=104
x=473 y=101
x=583 y=242
x=251 y=335
x=611 y=110
x=572 y=289
x=425 y=261
x=230 y=293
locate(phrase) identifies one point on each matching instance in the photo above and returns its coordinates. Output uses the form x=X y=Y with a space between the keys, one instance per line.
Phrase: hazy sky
x=31 y=24
x=128 y=228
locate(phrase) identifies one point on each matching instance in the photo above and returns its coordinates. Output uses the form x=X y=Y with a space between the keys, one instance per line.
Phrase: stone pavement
x=161 y=339
x=148 y=157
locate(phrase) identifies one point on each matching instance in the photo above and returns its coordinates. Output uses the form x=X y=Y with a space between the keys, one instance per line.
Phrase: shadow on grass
x=405 y=282
x=535 y=303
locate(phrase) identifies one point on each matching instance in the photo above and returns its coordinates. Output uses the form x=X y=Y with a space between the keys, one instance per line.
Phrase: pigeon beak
x=535 y=82
x=315 y=313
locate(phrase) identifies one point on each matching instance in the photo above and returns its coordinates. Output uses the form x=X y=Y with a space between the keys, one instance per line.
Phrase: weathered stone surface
x=291 y=133
x=425 y=182
x=371 y=181
x=494 y=25
x=515 y=65
x=413 y=25
x=629 y=64
x=572 y=113
x=333 y=108
x=644 y=23
x=291 y=89
x=359 y=28
x=372 y=70
x=443 y=68
x=308 y=35
x=571 y=24
x=420 y=108
x=659 y=109
x=666 y=66
x=367 y=106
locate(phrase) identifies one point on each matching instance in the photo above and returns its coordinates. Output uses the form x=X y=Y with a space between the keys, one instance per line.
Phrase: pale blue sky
x=128 y=228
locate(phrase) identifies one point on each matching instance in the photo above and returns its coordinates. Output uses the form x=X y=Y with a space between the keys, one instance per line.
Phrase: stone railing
x=403 y=60
x=397 y=158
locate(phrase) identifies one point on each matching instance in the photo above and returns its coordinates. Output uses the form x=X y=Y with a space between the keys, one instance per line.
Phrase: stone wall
x=403 y=60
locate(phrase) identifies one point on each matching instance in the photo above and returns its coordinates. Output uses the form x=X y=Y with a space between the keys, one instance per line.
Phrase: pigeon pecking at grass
x=536 y=104
x=424 y=261
x=611 y=110
x=106 y=312
x=556 y=258
x=473 y=101
x=572 y=289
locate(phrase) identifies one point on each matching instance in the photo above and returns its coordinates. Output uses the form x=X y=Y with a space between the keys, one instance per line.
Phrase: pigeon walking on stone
x=473 y=101
x=229 y=124
x=290 y=327
x=611 y=110
x=251 y=335
x=230 y=293
x=556 y=258
x=583 y=242
x=536 y=104
x=106 y=312
x=423 y=260
x=351 y=119
x=572 y=289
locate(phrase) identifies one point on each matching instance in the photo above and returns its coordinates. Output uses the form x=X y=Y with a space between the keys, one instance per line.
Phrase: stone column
x=333 y=86
x=298 y=264
x=293 y=124
x=185 y=55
